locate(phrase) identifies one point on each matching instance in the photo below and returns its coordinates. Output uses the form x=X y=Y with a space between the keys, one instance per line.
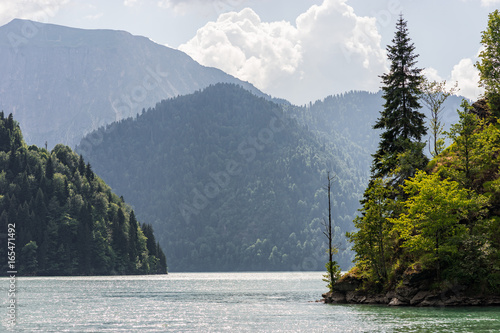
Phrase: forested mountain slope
x=229 y=181
x=58 y=218
x=349 y=118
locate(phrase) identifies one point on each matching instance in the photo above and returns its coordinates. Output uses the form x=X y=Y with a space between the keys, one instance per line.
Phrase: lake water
x=216 y=302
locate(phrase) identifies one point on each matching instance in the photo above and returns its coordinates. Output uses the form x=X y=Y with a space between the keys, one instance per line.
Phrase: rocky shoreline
x=414 y=291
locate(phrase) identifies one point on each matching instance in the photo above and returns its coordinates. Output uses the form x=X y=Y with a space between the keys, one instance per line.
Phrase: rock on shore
x=415 y=291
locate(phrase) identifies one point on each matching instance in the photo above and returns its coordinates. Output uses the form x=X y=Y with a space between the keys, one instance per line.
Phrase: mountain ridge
x=78 y=79
x=229 y=181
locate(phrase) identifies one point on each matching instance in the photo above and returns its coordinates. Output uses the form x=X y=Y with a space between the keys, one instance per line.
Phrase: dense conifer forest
x=63 y=219
x=230 y=181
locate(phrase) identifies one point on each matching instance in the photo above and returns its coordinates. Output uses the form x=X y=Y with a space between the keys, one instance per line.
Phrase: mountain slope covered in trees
x=229 y=181
x=61 y=83
x=349 y=118
x=64 y=220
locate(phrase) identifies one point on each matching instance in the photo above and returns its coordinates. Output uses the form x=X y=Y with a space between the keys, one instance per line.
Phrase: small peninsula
x=428 y=232
x=441 y=247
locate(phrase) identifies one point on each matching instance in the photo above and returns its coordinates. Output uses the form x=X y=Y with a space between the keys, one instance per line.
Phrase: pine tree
x=89 y=173
x=399 y=155
x=132 y=238
x=9 y=123
x=4 y=134
x=162 y=260
x=49 y=168
x=147 y=229
x=40 y=209
x=81 y=165
x=401 y=121
x=119 y=239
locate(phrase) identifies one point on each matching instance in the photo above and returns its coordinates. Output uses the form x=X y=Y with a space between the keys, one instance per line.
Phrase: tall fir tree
x=49 y=168
x=401 y=121
x=132 y=238
x=81 y=165
x=147 y=229
x=399 y=155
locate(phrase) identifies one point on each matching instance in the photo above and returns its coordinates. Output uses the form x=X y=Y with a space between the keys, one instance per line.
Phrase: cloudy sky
x=301 y=50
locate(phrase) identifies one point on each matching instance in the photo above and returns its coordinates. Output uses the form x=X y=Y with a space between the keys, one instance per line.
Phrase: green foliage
x=443 y=222
x=372 y=240
x=432 y=226
x=399 y=157
x=333 y=273
x=10 y=134
x=29 y=261
x=67 y=222
x=489 y=70
x=464 y=138
x=409 y=161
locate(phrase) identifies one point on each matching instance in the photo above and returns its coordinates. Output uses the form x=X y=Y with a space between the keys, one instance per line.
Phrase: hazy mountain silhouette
x=61 y=83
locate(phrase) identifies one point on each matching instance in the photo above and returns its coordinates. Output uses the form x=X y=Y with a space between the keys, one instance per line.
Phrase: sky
x=300 y=50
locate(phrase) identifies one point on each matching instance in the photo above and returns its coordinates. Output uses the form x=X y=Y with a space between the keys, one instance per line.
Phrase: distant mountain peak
x=63 y=82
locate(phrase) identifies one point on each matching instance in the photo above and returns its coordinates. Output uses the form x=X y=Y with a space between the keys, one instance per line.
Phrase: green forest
x=230 y=181
x=163 y=159
x=434 y=221
x=63 y=219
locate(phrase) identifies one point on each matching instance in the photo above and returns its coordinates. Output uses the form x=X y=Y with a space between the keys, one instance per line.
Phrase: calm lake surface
x=216 y=302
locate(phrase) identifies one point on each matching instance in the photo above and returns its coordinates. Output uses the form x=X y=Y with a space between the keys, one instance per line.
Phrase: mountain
x=351 y=116
x=61 y=219
x=164 y=159
x=61 y=83
x=229 y=181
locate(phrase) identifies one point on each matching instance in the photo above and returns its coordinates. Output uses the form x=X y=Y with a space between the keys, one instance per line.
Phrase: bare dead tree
x=333 y=270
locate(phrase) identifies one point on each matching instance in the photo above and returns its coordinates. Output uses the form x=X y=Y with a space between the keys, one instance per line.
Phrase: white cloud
x=487 y=3
x=431 y=74
x=341 y=50
x=329 y=50
x=242 y=45
x=37 y=10
x=467 y=77
x=464 y=74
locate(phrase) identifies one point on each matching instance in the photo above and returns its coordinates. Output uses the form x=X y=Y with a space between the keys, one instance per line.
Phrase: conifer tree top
x=401 y=120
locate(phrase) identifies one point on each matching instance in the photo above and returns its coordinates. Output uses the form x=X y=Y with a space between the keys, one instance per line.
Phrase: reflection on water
x=218 y=302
